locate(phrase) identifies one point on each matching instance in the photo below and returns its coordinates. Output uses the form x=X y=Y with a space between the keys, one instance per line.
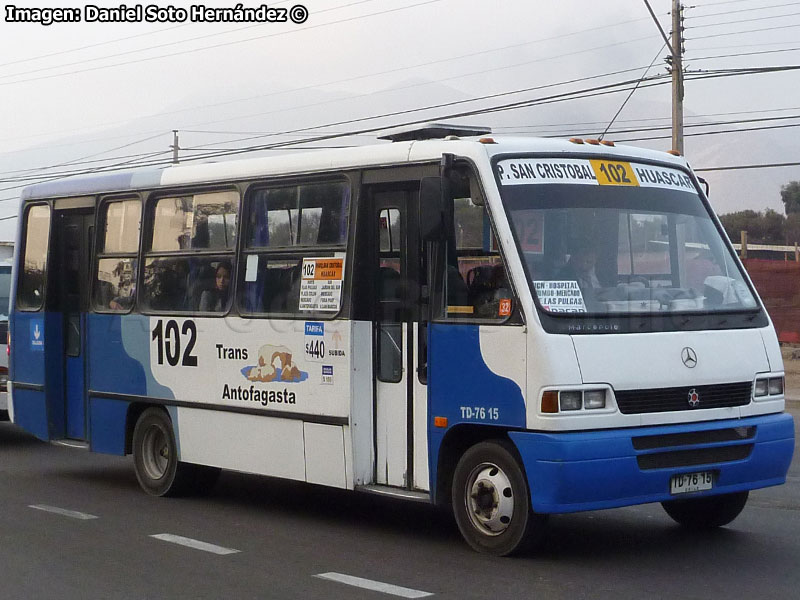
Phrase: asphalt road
x=273 y=539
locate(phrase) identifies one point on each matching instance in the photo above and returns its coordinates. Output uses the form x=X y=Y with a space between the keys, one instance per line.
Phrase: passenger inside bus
x=581 y=266
x=216 y=299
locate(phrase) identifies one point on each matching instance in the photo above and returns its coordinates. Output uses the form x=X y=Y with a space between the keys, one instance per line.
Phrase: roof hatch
x=433 y=131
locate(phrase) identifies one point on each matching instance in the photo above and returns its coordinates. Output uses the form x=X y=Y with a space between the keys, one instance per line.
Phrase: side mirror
x=706 y=187
x=431 y=209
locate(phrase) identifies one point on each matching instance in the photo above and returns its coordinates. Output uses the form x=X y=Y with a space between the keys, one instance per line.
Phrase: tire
x=155 y=456
x=491 y=501
x=708 y=512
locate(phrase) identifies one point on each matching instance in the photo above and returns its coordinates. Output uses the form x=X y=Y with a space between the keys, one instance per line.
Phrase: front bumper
x=571 y=472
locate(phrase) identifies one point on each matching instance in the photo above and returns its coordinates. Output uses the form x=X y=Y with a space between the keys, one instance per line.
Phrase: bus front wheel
x=155 y=455
x=707 y=512
x=491 y=501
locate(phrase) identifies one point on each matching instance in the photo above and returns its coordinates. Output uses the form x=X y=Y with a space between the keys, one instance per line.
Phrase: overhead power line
x=751 y=20
x=194 y=108
x=565 y=96
x=693 y=17
x=223 y=44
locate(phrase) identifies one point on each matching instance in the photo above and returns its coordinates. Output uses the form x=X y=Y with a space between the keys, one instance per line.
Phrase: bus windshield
x=645 y=244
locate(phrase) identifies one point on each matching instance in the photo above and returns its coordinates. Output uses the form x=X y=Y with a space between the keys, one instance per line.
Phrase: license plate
x=691 y=482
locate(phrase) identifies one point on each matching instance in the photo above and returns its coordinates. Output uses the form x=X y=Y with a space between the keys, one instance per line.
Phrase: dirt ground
x=791 y=363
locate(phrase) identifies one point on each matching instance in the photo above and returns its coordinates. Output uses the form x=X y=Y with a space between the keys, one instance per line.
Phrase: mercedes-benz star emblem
x=689 y=357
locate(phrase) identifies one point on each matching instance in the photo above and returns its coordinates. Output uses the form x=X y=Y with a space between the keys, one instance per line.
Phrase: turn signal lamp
x=440 y=421
x=550 y=402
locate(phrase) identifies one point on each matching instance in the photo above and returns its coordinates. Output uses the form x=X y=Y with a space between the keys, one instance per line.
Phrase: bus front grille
x=693 y=458
x=672 y=399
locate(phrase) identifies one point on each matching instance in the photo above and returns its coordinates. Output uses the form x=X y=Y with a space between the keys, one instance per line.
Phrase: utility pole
x=677 y=76
x=675 y=61
x=175 y=147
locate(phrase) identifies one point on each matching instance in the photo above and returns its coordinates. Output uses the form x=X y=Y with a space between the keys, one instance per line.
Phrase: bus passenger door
x=74 y=235
x=395 y=338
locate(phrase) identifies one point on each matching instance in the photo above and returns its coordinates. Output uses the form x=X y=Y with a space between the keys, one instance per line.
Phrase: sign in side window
x=117 y=263
x=304 y=215
x=321 y=284
x=196 y=222
x=34 y=264
x=527 y=171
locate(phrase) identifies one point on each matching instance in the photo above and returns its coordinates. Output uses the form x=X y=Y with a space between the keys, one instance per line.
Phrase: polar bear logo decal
x=275 y=364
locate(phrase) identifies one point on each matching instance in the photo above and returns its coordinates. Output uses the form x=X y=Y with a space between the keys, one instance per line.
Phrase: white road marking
x=196 y=544
x=63 y=511
x=377 y=586
x=80 y=445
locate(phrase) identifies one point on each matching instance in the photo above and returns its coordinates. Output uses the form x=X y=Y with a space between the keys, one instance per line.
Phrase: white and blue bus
x=511 y=327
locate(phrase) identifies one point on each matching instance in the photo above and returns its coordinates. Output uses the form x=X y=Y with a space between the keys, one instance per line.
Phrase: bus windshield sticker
x=321 y=285
x=532 y=171
x=560 y=296
x=251 y=271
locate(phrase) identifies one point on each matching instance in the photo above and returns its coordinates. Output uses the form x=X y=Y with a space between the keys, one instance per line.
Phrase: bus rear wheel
x=708 y=512
x=155 y=456
x=491 y=501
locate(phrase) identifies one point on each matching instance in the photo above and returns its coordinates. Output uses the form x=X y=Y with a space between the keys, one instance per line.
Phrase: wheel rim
x=489 y=499
x=155 y=452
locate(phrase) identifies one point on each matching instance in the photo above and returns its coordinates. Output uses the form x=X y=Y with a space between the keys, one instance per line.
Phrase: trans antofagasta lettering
x=253 y=394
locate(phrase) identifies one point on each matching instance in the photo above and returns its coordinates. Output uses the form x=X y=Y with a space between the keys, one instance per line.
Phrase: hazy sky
x=76 y=94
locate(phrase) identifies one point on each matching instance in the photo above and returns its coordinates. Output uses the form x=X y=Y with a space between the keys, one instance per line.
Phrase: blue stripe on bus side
x=30 y=412
x=459 y=377
x=119 y=356
x=107 y=420
x=119 y=362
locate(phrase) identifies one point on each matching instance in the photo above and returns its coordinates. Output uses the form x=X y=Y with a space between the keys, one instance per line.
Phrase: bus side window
x=180 y=274
x=284 y=225
x=116 y=257
x=476 y=281
x=30 y=295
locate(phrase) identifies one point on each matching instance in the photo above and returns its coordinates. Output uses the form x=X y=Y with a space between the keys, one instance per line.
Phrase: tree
x=768 y=227
x=790 y=194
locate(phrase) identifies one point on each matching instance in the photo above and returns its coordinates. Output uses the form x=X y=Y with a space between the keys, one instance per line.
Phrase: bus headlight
x=570 y=400
x=767 y=387
x=593 y=399
x=775 y=386
x=561 y=401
